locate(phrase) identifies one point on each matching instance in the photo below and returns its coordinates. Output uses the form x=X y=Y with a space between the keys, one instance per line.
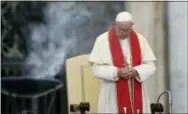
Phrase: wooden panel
x=79 y=73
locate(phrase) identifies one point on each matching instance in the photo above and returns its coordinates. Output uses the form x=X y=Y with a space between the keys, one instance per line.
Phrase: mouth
x=123 y=36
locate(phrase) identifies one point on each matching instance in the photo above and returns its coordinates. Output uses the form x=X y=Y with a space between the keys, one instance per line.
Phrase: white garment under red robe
x=103 y=68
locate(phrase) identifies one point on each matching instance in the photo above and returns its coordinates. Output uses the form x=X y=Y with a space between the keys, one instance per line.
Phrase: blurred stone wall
x=177 y=18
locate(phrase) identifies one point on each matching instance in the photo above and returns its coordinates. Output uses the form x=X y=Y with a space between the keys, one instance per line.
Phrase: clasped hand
x=127 y=73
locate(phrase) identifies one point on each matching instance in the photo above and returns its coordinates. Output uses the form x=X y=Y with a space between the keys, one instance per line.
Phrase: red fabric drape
x=118 y=61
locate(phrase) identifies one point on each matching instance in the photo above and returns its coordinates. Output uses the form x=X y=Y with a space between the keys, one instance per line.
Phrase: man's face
x=123 y=29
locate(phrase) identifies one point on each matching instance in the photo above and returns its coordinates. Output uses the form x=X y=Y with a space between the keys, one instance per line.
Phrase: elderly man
x=123 y=60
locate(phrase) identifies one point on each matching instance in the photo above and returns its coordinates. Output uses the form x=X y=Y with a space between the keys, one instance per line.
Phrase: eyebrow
x=125 y=28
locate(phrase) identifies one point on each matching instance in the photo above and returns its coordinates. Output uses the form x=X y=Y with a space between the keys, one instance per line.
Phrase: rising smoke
x=50 y=42
x=69 y=28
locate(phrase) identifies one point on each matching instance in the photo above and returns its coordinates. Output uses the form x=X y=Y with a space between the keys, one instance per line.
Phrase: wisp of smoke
x=49 y=43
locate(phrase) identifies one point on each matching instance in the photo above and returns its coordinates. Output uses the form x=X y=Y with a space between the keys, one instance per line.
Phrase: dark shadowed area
x=38 y=37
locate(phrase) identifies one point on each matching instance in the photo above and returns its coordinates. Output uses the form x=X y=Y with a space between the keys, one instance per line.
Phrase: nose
x=124 y=33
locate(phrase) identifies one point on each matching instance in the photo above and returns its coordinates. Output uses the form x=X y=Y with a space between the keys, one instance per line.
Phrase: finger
x=126 y=71
x=123 y=75
x=129 y=73
x=131 y=76
x=126 y=77
x=126 y=74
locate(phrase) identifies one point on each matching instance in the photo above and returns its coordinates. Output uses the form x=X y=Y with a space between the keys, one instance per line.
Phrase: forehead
x=124 y=25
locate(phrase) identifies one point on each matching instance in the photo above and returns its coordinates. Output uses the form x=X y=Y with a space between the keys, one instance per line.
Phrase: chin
x=124 y=37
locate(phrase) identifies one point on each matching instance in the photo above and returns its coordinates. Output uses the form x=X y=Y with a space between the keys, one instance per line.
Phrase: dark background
x=15 y=36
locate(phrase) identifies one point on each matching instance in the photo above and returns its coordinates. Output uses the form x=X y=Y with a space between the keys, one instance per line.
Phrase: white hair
x=123 y=16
